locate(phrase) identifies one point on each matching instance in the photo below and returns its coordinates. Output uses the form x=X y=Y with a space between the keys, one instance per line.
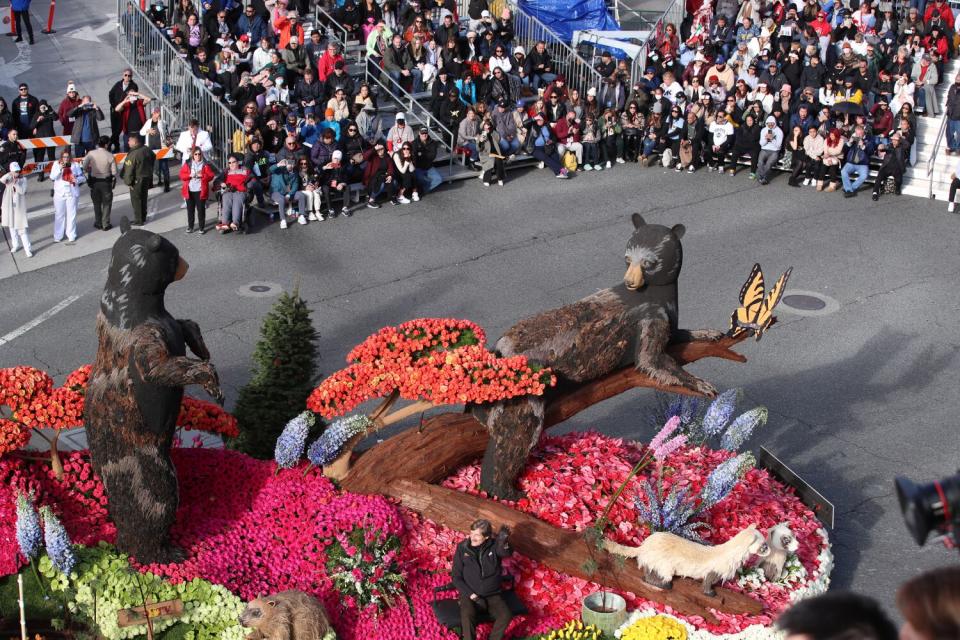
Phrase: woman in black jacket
x=477 y=575
x=42 y=127
x=746 y=142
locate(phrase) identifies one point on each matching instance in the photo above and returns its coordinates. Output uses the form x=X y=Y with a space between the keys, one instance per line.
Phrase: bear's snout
x=633 y=278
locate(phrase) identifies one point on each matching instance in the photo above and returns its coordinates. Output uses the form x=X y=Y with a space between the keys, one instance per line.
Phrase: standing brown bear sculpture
x=632 y=322
x=135 y=389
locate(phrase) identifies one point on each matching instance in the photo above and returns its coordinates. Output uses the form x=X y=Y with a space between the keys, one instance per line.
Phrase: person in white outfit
x=67 y=177
x=13 y=209
x=194 y=137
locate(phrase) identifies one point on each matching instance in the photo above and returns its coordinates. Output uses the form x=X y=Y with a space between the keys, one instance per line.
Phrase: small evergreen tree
x=284 y=374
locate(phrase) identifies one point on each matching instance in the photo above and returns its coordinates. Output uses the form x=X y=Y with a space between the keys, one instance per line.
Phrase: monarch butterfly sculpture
x=756 y=304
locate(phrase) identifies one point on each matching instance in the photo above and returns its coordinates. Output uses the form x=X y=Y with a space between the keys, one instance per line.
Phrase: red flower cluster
x=36 y=404
x=200 y=415
x=440 y=360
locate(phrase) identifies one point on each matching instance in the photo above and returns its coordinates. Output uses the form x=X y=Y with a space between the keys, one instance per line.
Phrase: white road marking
x=90 y=34
x=43 y=317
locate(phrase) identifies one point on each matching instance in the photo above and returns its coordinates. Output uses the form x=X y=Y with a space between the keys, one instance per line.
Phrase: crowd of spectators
x=826 y=92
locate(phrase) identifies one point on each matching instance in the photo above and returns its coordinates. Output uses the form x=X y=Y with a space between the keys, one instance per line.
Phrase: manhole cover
x=259 y=290
x=804 y=303
x=808 y=303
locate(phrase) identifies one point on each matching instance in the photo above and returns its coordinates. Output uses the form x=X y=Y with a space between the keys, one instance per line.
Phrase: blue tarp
x=563 y=17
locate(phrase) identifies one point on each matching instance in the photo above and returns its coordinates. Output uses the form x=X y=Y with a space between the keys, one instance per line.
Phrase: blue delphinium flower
x=723 y=479
x=742 y=428
x=291 y=442
x=59 y=548
x=29 y=535
x=719 y=413
x=327 y=447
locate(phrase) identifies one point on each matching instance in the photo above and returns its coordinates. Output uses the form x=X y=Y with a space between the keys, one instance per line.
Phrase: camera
x=931 y=507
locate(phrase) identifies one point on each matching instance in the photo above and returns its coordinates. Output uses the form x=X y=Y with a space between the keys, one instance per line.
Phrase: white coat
x=14 y=203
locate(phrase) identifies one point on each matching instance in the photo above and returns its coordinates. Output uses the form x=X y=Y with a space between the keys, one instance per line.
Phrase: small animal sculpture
x=782 y=542
x=756 y=304
x=665 y=555
x=630 y=323
x=135 y=390
x=288 y=615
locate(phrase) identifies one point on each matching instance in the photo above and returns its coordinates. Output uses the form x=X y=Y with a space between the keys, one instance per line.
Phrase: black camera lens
x=929 y=507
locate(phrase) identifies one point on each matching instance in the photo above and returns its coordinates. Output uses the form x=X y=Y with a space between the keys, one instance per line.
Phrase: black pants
x=830 y=173
x=138 y=198
x=887 y=172
x=26 y=18
x=50 y=152
x=496 y=173
x=494 y=605
x=196 y=207
x=739 y=153
x=329 y=193
x=716 y=157
x=631 y=145
x=406 y=182
x=101 y=194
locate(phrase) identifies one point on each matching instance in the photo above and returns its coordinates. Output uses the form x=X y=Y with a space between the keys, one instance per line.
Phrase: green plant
x=284 y=374
x=102 y=583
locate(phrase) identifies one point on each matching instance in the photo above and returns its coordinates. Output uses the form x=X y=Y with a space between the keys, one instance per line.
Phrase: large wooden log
x=563 y=550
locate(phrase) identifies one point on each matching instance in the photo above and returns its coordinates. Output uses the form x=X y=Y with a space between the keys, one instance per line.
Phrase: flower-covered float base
x=255 y=531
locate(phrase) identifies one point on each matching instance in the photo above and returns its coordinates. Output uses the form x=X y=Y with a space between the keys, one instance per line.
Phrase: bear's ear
x=154 y=243
x=271 y=603
x=679 y=230
x=638 y=220
x=124 y=225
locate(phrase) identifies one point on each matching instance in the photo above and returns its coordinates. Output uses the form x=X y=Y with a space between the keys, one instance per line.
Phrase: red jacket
x=325 y=65
x=943 y=9
x=206 y=176
x=63 y=113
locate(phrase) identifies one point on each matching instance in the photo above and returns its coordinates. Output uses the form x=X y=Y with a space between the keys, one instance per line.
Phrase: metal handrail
x=331 y=24
x=528 y=30
x=674 y=13
x=146 y=49
x=414 y=108
x=932 y=160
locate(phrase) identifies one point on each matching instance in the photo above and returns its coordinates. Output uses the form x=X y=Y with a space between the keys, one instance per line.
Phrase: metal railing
x=168 y=76
x=673 y=14
x=528 y=30
x=415 y=110
x=932 y=160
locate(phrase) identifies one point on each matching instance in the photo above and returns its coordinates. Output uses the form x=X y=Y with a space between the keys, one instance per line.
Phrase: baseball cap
x=502 y=103
x=23 y=85
x=424 y=130
x=520 y=104
x=484 y=14
x=400 y=116
x=244 y=38
x=337 y=155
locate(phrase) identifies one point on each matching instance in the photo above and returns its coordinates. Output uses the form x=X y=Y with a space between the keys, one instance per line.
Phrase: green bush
x=103 y=583
x=284 y=374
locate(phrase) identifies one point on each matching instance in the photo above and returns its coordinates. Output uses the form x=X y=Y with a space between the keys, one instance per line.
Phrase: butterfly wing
x=751 y=301
x=765 y=314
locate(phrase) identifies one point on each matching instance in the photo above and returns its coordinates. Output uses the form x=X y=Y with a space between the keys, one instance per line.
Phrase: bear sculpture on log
x=135 y=389
x=631 y=323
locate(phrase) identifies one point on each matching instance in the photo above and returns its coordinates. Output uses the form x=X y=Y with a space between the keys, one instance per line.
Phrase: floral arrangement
x=103 y=583
x=654 y=627
x=34 y=403
x=57 y=542
x=327 y=447
x=253 y=531
x=574 y=630
x=363 y=564
x=29 y=535
x=440 y=360
x=710 y=423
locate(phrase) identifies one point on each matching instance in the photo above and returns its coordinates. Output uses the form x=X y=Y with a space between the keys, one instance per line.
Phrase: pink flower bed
x=256 y=532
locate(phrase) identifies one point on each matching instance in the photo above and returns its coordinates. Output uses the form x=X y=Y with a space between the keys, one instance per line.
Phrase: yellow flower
x=655 y=628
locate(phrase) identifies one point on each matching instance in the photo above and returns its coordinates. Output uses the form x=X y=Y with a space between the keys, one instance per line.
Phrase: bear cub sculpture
x=288 y=615
x=135 y=389
x=631 y=323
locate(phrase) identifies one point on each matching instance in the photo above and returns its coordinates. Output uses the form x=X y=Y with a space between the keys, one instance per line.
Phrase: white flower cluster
x=752 y=579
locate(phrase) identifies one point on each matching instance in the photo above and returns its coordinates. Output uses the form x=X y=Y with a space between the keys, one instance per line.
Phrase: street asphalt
x=858 y=394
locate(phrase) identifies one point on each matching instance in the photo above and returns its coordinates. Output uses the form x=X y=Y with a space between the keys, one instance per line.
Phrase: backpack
x=667 y=158
x=570 y=161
